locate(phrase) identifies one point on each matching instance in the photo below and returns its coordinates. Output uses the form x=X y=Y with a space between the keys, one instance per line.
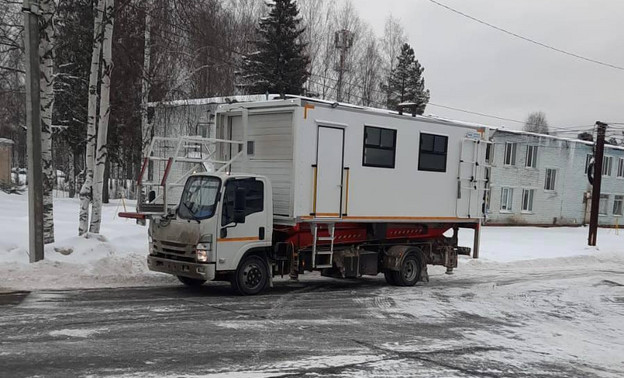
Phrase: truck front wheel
x=251 y=277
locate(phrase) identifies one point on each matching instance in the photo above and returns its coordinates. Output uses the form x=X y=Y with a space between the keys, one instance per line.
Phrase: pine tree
x=406 y=83
x=280 y=64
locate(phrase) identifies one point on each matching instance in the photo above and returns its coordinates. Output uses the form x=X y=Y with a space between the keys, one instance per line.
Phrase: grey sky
x=473 y=67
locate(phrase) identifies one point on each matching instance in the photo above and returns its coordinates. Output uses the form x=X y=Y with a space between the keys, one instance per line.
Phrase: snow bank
x=114 y=258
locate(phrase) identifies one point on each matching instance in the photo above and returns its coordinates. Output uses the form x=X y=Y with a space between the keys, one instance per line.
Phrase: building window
x=433 y=150
x=531 y=157
x=551 y=179
x=379 y=147
x=620 y=172
x=588 y=160
x=489 y=153
x=618 y=205
x=507 y=199
x=607 y=164
x=510 y=153
x=527 y=200
x=604 y=203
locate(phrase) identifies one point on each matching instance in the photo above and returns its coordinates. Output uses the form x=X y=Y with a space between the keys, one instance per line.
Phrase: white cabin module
x=340 y=162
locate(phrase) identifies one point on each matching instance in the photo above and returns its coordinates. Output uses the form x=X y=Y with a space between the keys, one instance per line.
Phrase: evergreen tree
x=280 y=64
x=406 y=83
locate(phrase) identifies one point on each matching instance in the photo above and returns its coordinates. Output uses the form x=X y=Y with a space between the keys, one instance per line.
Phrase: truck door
x=244 y=223
x=329 y=165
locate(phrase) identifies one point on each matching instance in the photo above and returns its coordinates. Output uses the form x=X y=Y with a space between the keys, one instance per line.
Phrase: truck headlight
x=204 y=252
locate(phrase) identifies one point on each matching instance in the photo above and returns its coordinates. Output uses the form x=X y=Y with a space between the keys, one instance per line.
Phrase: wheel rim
x=252 y=276
x=410 y=270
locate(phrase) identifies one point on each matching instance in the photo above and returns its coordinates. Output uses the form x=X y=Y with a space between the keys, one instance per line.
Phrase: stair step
x=325 y=238
x=324 y=253
x=324 y=266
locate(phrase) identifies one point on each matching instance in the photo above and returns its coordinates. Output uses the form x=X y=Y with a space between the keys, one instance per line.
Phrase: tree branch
x=12 y=69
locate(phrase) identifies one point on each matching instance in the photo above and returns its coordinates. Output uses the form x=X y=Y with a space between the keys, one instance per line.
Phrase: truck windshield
x=199 y=198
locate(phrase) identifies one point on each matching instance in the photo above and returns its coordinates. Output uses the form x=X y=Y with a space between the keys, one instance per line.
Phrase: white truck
x=298 y=185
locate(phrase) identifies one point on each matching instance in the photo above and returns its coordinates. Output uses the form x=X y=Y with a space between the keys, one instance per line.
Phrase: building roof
x=571 y=140
x=6 y=141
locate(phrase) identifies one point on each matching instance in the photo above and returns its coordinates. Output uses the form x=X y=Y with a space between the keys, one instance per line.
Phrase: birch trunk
x=86 y=190
x=146 y=126
x=102 y=134
x=46 y=78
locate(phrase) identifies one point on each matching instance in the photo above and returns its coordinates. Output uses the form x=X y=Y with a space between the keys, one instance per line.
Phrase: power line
x=527 y=39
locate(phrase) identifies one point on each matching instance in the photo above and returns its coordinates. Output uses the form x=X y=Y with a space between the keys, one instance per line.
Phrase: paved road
x=322 y=327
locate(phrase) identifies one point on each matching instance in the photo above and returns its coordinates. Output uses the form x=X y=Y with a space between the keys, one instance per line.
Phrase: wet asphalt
x=316 y=327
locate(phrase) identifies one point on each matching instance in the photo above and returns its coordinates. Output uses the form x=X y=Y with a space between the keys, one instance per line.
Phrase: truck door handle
x=261 y=233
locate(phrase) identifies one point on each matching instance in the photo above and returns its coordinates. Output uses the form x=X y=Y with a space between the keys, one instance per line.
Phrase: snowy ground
x=538 y=303
x=117 y=258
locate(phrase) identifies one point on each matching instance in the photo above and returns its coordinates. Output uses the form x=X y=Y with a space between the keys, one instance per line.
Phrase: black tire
x=191 y=282
x=410 y=271
x=389 y=276
x=251 y=277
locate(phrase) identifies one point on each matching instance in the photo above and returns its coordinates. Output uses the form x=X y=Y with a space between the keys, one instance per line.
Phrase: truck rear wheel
x=251 y=277
x=409 y=273
x=191 y=282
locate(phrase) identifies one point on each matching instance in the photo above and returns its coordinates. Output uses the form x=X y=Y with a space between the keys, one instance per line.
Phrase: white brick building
x=542 y=180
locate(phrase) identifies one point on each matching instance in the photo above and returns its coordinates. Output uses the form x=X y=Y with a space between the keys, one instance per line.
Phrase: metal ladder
x=327 y=254
x=184 y=156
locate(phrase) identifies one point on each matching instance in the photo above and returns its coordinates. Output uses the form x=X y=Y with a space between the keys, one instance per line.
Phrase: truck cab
x=221 y=230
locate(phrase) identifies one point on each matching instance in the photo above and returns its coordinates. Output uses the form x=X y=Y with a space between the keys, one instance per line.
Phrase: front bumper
x=182 y=268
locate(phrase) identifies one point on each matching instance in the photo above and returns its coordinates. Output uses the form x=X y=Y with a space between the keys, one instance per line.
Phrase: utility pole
x=343 y=40
x=33 y=134
x=595 y=204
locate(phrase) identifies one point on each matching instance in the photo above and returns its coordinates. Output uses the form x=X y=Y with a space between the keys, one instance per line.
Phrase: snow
x=77 y=333
x=117 y=257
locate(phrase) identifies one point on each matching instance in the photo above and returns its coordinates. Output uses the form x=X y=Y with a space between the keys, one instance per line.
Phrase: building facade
x=542 y=180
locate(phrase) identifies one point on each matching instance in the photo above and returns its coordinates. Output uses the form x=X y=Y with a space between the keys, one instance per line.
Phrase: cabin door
x=329 y=170
x=471 y=186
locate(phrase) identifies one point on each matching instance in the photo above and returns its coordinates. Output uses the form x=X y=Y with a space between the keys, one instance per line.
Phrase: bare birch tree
x=146 y=127
x=394 y=37
x=46 y=65
x=104 y=115
x=87 y=187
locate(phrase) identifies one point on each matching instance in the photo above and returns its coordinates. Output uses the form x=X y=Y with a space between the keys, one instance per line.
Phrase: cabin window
x=379 y=147
x=433 y=150
x=621 y=168
x=254 y=199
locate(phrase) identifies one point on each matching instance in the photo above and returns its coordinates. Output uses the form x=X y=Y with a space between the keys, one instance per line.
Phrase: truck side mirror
x=240 y=205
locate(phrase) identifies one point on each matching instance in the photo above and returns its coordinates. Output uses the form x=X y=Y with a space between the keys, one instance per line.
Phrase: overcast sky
x=474 y=67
